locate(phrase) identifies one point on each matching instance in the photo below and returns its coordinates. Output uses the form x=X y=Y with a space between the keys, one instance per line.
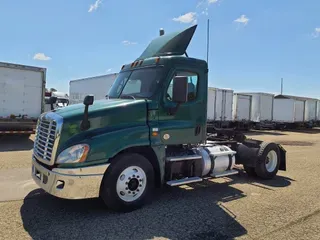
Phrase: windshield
x=140 y=83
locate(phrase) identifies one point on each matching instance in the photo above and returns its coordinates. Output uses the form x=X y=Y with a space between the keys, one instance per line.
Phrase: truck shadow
x=194 y=212
x=15 y=143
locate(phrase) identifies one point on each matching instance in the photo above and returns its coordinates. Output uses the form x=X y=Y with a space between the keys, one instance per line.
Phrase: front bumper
x=69 y=183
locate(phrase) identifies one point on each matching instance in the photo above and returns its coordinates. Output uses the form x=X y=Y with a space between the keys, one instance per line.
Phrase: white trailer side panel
x=299 y=111
x=211 y=104
x=98 y=86
x=310 y=110
x=318 y=110
x=219 y=104
x=21 y=90
x=241 y=107
x=261 y=107
x=284 y=110
x=266 y=107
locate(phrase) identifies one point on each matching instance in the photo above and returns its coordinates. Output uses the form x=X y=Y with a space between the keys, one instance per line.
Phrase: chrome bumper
x=69 y=183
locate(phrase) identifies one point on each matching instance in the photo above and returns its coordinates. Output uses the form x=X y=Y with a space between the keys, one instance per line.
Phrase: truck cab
x=150 y=131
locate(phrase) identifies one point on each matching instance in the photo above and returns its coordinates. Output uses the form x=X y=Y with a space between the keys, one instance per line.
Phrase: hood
x=104 y=116
x=175 y=43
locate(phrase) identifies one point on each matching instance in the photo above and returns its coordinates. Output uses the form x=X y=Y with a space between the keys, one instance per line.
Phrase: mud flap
x=283 y=158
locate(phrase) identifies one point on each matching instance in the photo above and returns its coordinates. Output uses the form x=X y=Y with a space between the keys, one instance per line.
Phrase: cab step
x=183 y=158
x=224 y=174
x=173 y=183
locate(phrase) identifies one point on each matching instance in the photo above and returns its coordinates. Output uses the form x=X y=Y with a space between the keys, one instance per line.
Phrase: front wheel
x=127 y=183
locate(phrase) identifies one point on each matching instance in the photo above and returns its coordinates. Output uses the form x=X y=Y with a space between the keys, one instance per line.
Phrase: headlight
x=75 y=154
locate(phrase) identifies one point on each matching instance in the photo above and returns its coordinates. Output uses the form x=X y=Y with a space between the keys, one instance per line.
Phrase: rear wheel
x=127 y=183
x=268 y=162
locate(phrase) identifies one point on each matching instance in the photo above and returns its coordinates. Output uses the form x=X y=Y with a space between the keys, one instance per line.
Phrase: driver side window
x=192 y=85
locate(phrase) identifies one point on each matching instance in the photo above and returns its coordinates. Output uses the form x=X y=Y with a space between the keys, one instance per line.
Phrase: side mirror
x=85 y=124
x=88 y=100
x=180 y=89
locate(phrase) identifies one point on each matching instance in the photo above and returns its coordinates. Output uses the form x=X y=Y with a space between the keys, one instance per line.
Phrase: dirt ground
x=237 y=207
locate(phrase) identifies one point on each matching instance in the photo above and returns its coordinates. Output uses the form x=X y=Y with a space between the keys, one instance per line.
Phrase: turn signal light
x=157 y=59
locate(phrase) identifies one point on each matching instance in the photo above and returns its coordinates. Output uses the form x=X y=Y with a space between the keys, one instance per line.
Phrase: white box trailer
x=219 y=106
x=241 y=110
x=288 y=110
x=261 y=106
x=98 y=86
x=22 y=91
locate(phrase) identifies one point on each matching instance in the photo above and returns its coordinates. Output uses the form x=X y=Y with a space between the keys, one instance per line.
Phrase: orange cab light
x=136 y=64
x=154 y=134
x=122 y=67
x=141 y=62
x=132 y=64
x=157 y=59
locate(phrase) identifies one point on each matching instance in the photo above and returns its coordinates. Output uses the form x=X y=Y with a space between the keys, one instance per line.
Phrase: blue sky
x=253 y=44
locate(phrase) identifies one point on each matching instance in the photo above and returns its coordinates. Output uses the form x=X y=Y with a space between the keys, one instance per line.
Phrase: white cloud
x=95 y=5
x=41 y=57
x=212 y=1
x=243 y=19
x=126 y=43
x=316 y=32
x=187 y=18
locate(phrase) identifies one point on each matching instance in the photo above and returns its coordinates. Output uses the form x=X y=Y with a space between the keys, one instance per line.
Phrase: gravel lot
x=240 y=207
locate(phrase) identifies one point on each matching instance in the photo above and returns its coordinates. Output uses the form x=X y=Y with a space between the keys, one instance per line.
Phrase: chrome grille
x=46 y=137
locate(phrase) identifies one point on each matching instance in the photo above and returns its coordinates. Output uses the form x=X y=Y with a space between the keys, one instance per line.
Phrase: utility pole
x=281 y=86
x=208 y=41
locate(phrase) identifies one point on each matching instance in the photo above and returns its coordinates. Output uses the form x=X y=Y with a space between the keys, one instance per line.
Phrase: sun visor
x=175 y=43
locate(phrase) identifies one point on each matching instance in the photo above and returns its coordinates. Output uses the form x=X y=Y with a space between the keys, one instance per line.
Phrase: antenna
x=208 y=41
x=281 y=86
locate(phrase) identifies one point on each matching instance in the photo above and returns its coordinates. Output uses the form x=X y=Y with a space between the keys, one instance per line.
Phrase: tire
x=268 y=162
x=127 y=194
x=250 y=171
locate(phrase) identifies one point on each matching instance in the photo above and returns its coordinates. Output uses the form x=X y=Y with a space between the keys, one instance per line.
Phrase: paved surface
x=240 y=207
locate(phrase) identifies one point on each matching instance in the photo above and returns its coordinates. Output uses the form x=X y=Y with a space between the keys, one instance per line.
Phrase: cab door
x=187 y=123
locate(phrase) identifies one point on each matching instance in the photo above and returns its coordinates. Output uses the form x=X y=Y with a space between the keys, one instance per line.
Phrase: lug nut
x=133 y=193
x=129 y=192
x=137 y=176
x=126 y=188
x=133 y=176
x=140 y=185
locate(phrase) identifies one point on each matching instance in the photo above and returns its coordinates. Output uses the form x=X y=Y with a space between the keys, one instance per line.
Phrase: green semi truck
x=150 y=131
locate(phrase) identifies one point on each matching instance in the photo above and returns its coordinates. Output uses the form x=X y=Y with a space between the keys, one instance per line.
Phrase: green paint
x=117 y=124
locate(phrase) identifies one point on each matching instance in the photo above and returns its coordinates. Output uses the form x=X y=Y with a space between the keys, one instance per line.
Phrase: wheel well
x=149 y=154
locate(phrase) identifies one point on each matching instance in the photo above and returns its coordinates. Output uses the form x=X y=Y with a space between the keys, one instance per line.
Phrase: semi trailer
x=97 y=86
x=22 y=90
x=151 y=132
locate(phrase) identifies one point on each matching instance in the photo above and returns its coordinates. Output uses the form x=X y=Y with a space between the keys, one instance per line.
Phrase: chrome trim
x=183 y=181
x=78 y=183
x=183 y=158
x=44 y=150
x=92 y=170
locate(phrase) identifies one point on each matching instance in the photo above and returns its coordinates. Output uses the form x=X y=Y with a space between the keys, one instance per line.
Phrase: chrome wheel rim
x=271 y=161
x=131 y=183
